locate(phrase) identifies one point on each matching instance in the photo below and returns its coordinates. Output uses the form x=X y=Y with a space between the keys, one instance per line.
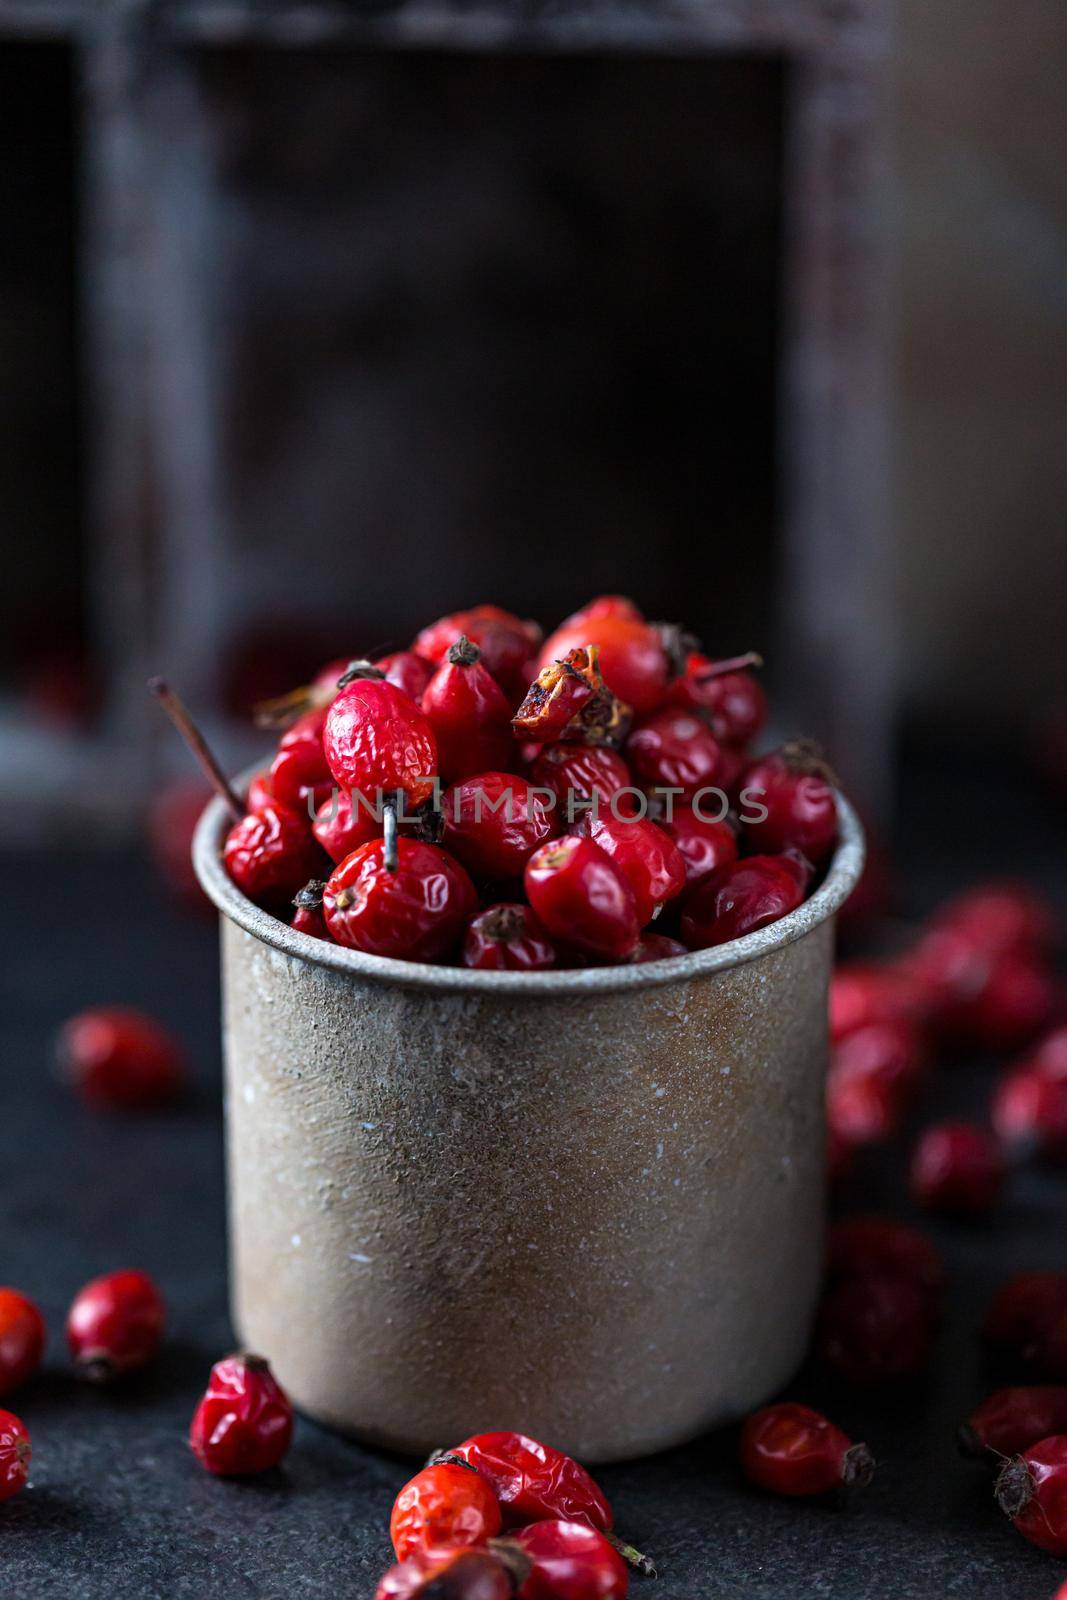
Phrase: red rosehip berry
x=534 y=1481
x=465 y=1573
x=1011 y=1420
x=1023 y=1312
x=861 y=1110
x=260 y=793
x=244 y=1423
x=116 y=1056
x=494 y=822
x=307 y=916
x=345 y=822
x=1002 y=918
x=300 y=768
x=270 y=855
x=800 y=805
x=570 y=700
x=15 y=1453
x=874 y=1072
x=1029 y=1115
x=957 y=1167
x=646 y=856
x=605 y=605
x=740 y=898
x=675 y=749
x=635 y=664
x=583 y=898
x=505 y=641
x=22 y=1336
x=1032 y=1491
x=115 y=1325
x=875 y=1329
x=1019 y=998
x=378 y=741
x=704 y=845
x=469 y=715
x=734 y=702
x=792 y=1450
x=416 y=913
x=570 y=1561
x=584 y=777
x=657 y=947
x=861 y=994
x=407 y=671
x=507 y=938
x=446 y=1504
x=863 y=1245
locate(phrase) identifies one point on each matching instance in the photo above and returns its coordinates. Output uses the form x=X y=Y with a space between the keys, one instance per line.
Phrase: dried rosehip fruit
x=733 y=701
x=454 y=1574
x=307 y=916
x=416 y=913
x=792 y=1450
x=635 y=665
x=558 y=696
x=505 y=641
x=22 y=1336
x=469 y=715
x=244 y=1423
x=115 y=1325
x=570 y=1561
x=645 y=855
x=957 y=1167
x=1032 y=1491
x=507 y=938
x=740 y=898
x=657 y=947
x=446 y=1504
x=494 y=822
x=345 y=822
x=674 y=749
x=800 y=804
x=534 y=1481
x=377 y=740
x=116 y=1056
x=586 y=777
x=270 y=855
x=300 y=768
x=406 y=671
x=861 y=994
x=582 y=898
x=1001 y=918
x=15 y=1453
x=1013 y=1419
x=704 y=845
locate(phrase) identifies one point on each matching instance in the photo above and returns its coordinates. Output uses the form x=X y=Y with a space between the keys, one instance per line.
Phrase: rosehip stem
x=751 y=658
x=196 y=742
x=390 y=858
x=642 y=1564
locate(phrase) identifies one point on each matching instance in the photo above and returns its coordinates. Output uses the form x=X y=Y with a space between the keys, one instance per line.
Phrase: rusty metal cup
x=588 y=1205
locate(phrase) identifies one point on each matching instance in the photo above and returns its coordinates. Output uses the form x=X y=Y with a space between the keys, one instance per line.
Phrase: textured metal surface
x=568 y=1206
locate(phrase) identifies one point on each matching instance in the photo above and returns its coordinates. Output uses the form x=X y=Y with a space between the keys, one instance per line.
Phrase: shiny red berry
x=704 y=844
x=1018 y=999
x=734 y=702
x=407 y=671
x=861 y=1110
x=957 y=1167
x=1032 y=1491
x=534 y=1481
x=446 y=1504
x=875 y=1329
x=675 y=749
x=260 y=793
x=307 y=914
x=1001 y=918
x=116 y=1056
x=887 y=1059
x=657 y=947
x=379 y=742
x=605 y=605
x=244 y=1423
x=469 y=715
x=792 y=1450
x=506 y=642
x=507 y=938
x=1029 y=1115
x=270 y=855
x=462 y=1573
x=1011 y=1420
x=346 y=821
x=15 y=1453
x=584 y=777
x=646 y=856
x=22 y=1336
x=865 y=993
x=570 y=1561
x=494 y=822
x=300 y=768
x=884 y=1247
x=633 y=659
x=115 y=1325
x=800 y=805
x=583 y=898
x=416 y=913
x=740 y=898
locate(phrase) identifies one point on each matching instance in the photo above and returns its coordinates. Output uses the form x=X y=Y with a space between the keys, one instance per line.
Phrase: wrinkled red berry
x=875 y=1329
x=1013 y=1419
x=1029 y=1115
x=740 y=898
x=469 y=715
x=115 y=1325
x=792 y=1450
x=534 y=1481
x=15 y=1453
x=451 y=1574
x=863 y=1245
x=308 y=916
x=657 y=947
x=570 y=700
x=734 y=702
x=416 y=913
x=300 y=768
x=675 y=749
x=570 y=1561
x=646 y=856
x=22 y=1336
x=632 y=657
x=270 y=855
x=507 y=938
x=1032 y=1491
x=494 y=822
x=446 y=1504
x=583 y=898
x=800 y=805
x=377 y=740
x=345 y=822
x=957 y=1167
x=116 y=1056
x=505 y=641
x=260 y=793
x=582 y=775
x=407 y=671
x=704 y=844
x=244 y=1423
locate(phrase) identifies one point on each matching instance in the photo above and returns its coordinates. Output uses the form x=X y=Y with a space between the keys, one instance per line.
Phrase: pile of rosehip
x=553 y=802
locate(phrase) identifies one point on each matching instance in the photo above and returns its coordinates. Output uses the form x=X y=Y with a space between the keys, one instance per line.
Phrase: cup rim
x=843 y=873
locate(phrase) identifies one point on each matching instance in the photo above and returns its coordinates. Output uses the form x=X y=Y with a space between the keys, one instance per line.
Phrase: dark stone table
x=118 y=1507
